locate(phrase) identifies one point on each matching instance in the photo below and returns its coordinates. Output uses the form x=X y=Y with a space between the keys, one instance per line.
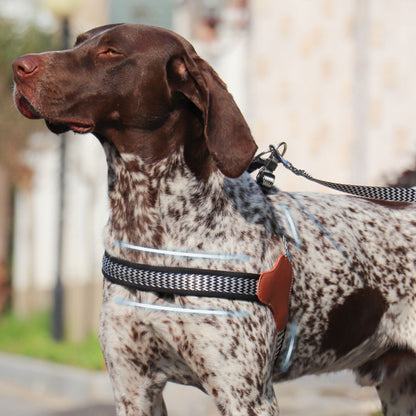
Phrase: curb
x=73 y=384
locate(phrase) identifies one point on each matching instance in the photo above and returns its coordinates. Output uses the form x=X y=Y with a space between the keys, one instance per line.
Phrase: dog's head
x=136 y=86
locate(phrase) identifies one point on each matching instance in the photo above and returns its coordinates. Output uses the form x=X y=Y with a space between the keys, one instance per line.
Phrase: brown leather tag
x=274 y=289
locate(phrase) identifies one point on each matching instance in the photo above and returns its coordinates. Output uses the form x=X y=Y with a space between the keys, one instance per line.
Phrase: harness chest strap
x=271 y=288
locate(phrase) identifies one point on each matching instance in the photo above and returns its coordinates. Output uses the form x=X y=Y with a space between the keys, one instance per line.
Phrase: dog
x=178 y=149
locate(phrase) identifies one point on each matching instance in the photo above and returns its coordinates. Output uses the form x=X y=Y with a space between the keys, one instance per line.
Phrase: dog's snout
x=24 y=67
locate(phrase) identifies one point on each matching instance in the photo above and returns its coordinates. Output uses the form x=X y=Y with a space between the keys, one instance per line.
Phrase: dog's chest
x=180 y=212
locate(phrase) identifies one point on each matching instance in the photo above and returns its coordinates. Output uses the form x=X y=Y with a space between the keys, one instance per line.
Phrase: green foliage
x=31 y=337
x=15 y=42
x=14 y=129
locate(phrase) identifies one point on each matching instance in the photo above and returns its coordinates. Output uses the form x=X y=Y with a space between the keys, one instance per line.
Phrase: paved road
x=314 y=397
x=33 y=388
x=19 y=401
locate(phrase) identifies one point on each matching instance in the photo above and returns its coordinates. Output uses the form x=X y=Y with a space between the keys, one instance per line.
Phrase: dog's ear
x=227 y=134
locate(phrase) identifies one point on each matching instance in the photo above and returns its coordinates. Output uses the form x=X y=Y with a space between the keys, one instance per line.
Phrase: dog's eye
x=109 y=52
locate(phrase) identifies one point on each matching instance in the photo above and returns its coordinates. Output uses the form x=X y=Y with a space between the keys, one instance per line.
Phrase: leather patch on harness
x=274 y=289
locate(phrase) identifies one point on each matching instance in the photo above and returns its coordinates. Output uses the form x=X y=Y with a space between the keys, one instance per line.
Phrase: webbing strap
x=265 y=178
x=181 y=281
x=385 y=193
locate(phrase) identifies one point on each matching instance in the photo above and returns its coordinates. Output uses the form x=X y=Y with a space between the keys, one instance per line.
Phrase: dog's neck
x=164 y=205
x=150 y=202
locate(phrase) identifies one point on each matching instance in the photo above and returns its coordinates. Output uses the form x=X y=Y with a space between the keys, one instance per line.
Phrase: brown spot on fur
x=221 y=409
x=354 y=320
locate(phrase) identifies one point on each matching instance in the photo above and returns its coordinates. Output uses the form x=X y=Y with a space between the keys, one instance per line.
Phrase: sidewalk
x=31 y=387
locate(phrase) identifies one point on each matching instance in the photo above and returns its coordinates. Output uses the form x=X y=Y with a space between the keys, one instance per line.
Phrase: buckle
x=266 y=178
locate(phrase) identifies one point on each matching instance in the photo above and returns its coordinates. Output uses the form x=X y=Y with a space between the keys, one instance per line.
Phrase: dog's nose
x=25 y=66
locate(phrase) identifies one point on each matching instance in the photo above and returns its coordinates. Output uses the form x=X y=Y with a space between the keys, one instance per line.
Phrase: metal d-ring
x=281 y=153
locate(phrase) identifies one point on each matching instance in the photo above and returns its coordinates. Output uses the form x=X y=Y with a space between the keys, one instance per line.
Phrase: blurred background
x=334 y=79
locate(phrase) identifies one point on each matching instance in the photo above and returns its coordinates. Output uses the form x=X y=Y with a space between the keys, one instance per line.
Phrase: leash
x=265 y=178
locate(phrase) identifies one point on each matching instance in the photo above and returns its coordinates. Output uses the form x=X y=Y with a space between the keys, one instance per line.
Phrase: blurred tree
x=14 y=131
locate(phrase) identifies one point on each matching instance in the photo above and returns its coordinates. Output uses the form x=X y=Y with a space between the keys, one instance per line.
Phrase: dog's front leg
x=137 y=389
x=233 y=358
x=142 y=401
x=131 y=358
x=242 y=399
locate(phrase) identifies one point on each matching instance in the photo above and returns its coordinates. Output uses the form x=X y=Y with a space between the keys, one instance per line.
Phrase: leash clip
x=266 y=178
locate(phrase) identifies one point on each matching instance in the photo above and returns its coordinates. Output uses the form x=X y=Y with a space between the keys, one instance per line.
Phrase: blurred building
x=334 y=79
x=36 y=214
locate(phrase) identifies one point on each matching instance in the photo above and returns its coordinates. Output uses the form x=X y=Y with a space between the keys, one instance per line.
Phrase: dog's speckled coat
x=177 y=148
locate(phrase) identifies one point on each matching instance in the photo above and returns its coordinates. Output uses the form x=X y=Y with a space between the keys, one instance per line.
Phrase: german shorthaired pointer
x=177 y=149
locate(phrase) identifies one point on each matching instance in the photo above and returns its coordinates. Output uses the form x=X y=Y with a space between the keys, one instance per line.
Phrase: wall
x=335 y=80
x=35 y=233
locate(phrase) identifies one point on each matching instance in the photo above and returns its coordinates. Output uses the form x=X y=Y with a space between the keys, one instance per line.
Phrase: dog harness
x=271 y=288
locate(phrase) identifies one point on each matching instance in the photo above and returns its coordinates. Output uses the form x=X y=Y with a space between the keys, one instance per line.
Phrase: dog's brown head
x=142 y=88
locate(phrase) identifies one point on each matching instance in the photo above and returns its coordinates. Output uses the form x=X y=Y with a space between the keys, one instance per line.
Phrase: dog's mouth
x=55 y=126
x=59 y=127
x=24 y=106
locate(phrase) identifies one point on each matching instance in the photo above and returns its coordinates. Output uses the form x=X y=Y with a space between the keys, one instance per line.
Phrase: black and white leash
x=265 y=178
